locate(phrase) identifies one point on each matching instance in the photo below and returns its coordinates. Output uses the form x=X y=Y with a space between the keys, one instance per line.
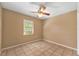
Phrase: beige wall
x=0 y=26
x=62 y=29
x=13 y=28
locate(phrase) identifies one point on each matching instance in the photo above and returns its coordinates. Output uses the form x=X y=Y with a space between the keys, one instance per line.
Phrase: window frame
x=25 y=31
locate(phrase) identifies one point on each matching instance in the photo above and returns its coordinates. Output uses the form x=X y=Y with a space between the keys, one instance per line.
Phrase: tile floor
x=40 y=48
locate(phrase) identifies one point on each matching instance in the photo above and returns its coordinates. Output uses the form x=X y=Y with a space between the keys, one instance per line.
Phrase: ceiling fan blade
x=42 y=8
x=46 y=14
x=42 y=13
x=34 y=12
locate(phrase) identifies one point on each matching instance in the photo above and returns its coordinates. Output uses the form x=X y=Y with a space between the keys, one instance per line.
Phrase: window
x=28 y=27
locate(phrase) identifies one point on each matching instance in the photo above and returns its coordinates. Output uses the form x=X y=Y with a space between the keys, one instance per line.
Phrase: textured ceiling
x=54 y=8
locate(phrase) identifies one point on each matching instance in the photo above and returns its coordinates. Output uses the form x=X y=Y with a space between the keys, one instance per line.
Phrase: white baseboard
x=61 y=45
x=39 y=40
x=19 y=45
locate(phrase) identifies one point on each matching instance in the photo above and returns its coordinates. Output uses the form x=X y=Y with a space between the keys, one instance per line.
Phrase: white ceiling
x=54 y=8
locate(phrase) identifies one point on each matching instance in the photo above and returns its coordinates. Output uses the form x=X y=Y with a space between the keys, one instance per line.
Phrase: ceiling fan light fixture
x=40 y=14
x=42 y=10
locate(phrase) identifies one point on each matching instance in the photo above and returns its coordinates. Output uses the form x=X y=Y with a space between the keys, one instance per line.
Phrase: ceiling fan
x=42 y=11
